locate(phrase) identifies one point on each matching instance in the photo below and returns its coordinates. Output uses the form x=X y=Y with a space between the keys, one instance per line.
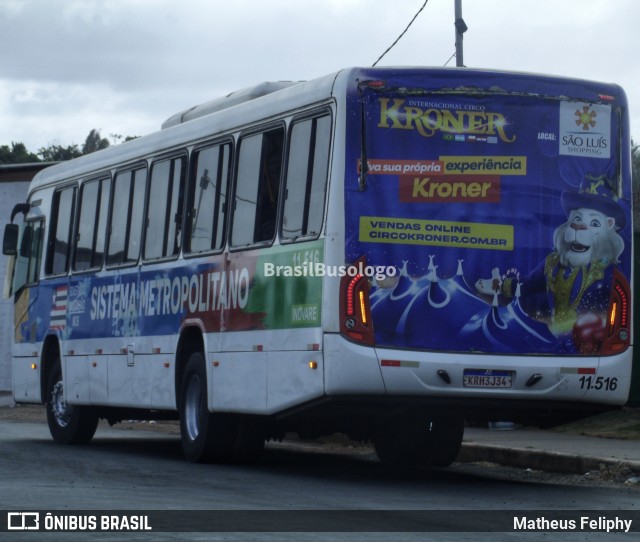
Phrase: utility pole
x=461 y=28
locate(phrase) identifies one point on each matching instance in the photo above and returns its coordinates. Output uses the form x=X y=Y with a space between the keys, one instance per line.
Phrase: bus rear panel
x=501 y=204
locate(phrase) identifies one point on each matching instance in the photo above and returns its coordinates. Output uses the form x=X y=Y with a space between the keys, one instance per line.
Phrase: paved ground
x=566 y=452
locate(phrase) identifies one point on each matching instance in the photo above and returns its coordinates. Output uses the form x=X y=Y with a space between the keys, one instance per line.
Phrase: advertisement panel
x=267 y=289
x=504 y=214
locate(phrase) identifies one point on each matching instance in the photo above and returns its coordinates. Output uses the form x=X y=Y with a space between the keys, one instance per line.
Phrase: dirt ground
x=37 y=414
x=620 y=424
x=23 y=413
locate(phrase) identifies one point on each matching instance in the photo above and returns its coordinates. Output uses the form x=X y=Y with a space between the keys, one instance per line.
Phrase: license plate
x=487 y=378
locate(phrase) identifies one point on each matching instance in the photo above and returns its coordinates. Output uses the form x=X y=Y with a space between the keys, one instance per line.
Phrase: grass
x=620 y=424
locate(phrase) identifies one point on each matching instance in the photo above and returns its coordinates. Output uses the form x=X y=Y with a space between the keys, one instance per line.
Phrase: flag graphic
x=59 y=308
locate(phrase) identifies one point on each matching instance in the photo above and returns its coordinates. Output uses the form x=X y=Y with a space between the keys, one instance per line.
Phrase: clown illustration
x=570 y=289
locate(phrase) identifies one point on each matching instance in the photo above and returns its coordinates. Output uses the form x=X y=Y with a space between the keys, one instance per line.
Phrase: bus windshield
x=504 y=214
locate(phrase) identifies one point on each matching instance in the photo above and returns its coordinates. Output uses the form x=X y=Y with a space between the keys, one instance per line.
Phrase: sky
x=124 y=66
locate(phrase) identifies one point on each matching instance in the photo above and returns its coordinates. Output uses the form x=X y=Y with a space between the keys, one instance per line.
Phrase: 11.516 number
x=598 y=383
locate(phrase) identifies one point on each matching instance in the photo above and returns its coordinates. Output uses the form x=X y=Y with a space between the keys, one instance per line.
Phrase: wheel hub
x=61 y=410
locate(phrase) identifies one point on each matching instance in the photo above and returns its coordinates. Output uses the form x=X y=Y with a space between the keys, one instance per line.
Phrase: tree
x=17 y=154
x=94 y=142
x=58 y=153
x=117 y=138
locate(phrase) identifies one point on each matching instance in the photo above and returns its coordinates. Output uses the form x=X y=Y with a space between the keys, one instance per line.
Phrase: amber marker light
x=362 y=307
x=612 y=315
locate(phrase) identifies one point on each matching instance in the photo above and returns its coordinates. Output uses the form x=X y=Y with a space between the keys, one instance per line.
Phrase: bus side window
x=208 y=200
x=164 y=211
x=127 y=211
x=94 y=204
x=306 y=178
x=62 y=212
x=257 y=188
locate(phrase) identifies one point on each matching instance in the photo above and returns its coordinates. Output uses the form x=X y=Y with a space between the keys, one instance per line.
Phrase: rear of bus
x=489 y=218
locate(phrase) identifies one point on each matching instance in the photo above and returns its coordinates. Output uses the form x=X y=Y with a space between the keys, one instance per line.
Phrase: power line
x=447 y=62
x=403 y=33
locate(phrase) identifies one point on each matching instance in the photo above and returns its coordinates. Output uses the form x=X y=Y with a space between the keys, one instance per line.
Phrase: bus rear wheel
x=249 y=439
x=205 y=436
x=68 y=424
x=212 y=436
x=424 y=441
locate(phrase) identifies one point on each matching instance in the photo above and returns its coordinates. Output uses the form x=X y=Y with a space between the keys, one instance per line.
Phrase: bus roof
x=231 y=99
x=200 y=124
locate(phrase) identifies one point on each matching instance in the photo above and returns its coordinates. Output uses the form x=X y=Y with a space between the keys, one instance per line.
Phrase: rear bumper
x=351 y=368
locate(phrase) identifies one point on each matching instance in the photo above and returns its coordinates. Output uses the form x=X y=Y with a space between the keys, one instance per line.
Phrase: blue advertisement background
x=436 y=303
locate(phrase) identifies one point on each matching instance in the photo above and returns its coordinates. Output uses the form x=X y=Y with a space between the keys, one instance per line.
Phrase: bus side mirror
x=10 y=240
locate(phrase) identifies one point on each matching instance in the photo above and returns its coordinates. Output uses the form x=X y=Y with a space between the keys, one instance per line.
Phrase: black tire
x=68 y=424
x=205 y=436
x=429 y=442
x=249 y=439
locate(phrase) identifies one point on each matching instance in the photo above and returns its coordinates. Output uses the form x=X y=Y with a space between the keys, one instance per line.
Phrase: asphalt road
x=139 y=470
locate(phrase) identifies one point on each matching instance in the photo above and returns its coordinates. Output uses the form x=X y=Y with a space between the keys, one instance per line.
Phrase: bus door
x=24 y=248
x=23 y=245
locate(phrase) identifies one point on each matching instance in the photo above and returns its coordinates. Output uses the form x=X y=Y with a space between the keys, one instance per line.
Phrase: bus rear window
x=306 y=178
x=257 y=188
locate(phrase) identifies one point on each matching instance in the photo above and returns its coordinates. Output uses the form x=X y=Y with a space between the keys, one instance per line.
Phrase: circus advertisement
x=505 y=216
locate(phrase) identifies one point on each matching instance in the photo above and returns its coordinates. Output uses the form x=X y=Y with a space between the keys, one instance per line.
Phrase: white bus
x=379 y=252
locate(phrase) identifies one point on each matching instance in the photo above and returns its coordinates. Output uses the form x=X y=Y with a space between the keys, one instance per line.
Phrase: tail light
x=355 y=313
x=618 y=333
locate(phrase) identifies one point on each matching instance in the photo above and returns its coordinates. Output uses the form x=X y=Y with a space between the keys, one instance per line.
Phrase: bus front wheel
x=68 y=424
